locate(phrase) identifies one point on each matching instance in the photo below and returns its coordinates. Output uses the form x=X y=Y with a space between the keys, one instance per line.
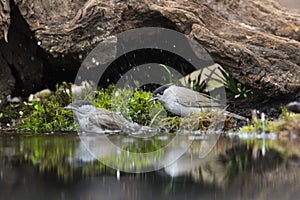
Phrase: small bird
x=184 y=102
x=99 y=120
x=294 y=107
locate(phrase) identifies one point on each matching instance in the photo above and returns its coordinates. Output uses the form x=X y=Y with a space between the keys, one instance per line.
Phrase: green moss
x=132 y=104
x=48 y=113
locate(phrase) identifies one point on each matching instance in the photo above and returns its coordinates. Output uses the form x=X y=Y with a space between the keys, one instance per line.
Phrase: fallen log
x=257 y=42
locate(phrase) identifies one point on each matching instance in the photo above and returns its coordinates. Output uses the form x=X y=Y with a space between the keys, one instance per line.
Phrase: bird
x=184 y=102
x=92 y=119
x=293 y=106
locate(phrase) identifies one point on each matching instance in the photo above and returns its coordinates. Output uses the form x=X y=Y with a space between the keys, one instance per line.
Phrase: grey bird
x=99 y=120
x=184 y=102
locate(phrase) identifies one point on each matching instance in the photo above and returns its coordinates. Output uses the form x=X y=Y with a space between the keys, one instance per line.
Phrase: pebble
x=293 y=107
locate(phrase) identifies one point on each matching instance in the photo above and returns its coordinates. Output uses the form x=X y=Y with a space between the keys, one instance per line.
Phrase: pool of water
x=66 y=166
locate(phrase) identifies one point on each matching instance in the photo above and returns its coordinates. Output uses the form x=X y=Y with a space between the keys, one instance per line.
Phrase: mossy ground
x=47 y=114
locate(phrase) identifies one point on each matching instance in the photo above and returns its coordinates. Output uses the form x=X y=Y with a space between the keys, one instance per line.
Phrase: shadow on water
x=58 y=167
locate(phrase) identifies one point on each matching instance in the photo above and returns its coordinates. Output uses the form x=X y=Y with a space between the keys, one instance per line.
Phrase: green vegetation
x=47 y=113
x=287 y=121
x=235 y=88
x=132 y=104
x=270 y=127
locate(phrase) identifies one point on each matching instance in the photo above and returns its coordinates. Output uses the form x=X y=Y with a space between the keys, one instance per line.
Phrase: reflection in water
x=60 y=167
x=140 y=154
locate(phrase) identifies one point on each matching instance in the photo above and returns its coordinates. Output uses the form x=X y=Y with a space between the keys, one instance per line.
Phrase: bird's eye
x=160 y=90
x=158 y=93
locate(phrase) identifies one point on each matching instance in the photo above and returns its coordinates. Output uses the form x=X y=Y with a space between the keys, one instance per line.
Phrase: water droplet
x=107 y=80
x=62 y=55
x=80 y=56
x=118 y=175
x=32 y=58
x=93 y=60
x=97 y=63
x=174 y=46
x=39 y=43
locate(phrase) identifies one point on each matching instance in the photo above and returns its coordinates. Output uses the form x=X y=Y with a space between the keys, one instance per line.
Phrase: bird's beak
x=68 y=107
x=152 y=99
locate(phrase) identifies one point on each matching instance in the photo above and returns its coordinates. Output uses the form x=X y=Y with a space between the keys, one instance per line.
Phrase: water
x=56 y=167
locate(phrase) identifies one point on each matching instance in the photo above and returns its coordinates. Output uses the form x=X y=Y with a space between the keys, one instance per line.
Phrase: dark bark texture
x=257 y=42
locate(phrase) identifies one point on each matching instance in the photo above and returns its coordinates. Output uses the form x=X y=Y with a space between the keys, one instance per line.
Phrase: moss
x=132 y=104
x=48 y=113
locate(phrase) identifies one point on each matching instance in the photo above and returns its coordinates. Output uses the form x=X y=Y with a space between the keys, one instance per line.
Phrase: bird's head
x=159 y=92
x=81 y=107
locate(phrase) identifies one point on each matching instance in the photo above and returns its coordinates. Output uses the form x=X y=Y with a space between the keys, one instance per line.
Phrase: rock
x=13 y=100
x=37 y=95
x=7 y=82
x=294 y=107
x=4 y=19
x=81 y=91
x=255 y=42
x=18 y=55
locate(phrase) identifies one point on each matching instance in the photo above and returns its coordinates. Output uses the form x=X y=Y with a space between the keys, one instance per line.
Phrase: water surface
x=58 y=167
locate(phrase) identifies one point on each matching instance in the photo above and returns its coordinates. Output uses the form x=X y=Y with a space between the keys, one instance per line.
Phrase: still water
x=58 y=166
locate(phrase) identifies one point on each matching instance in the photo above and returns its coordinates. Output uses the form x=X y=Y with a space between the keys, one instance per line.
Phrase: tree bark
x=257 y=42
x=4 y=18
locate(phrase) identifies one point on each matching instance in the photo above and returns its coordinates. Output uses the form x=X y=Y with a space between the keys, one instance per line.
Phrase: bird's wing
x=108 y=120
x=190 y=98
